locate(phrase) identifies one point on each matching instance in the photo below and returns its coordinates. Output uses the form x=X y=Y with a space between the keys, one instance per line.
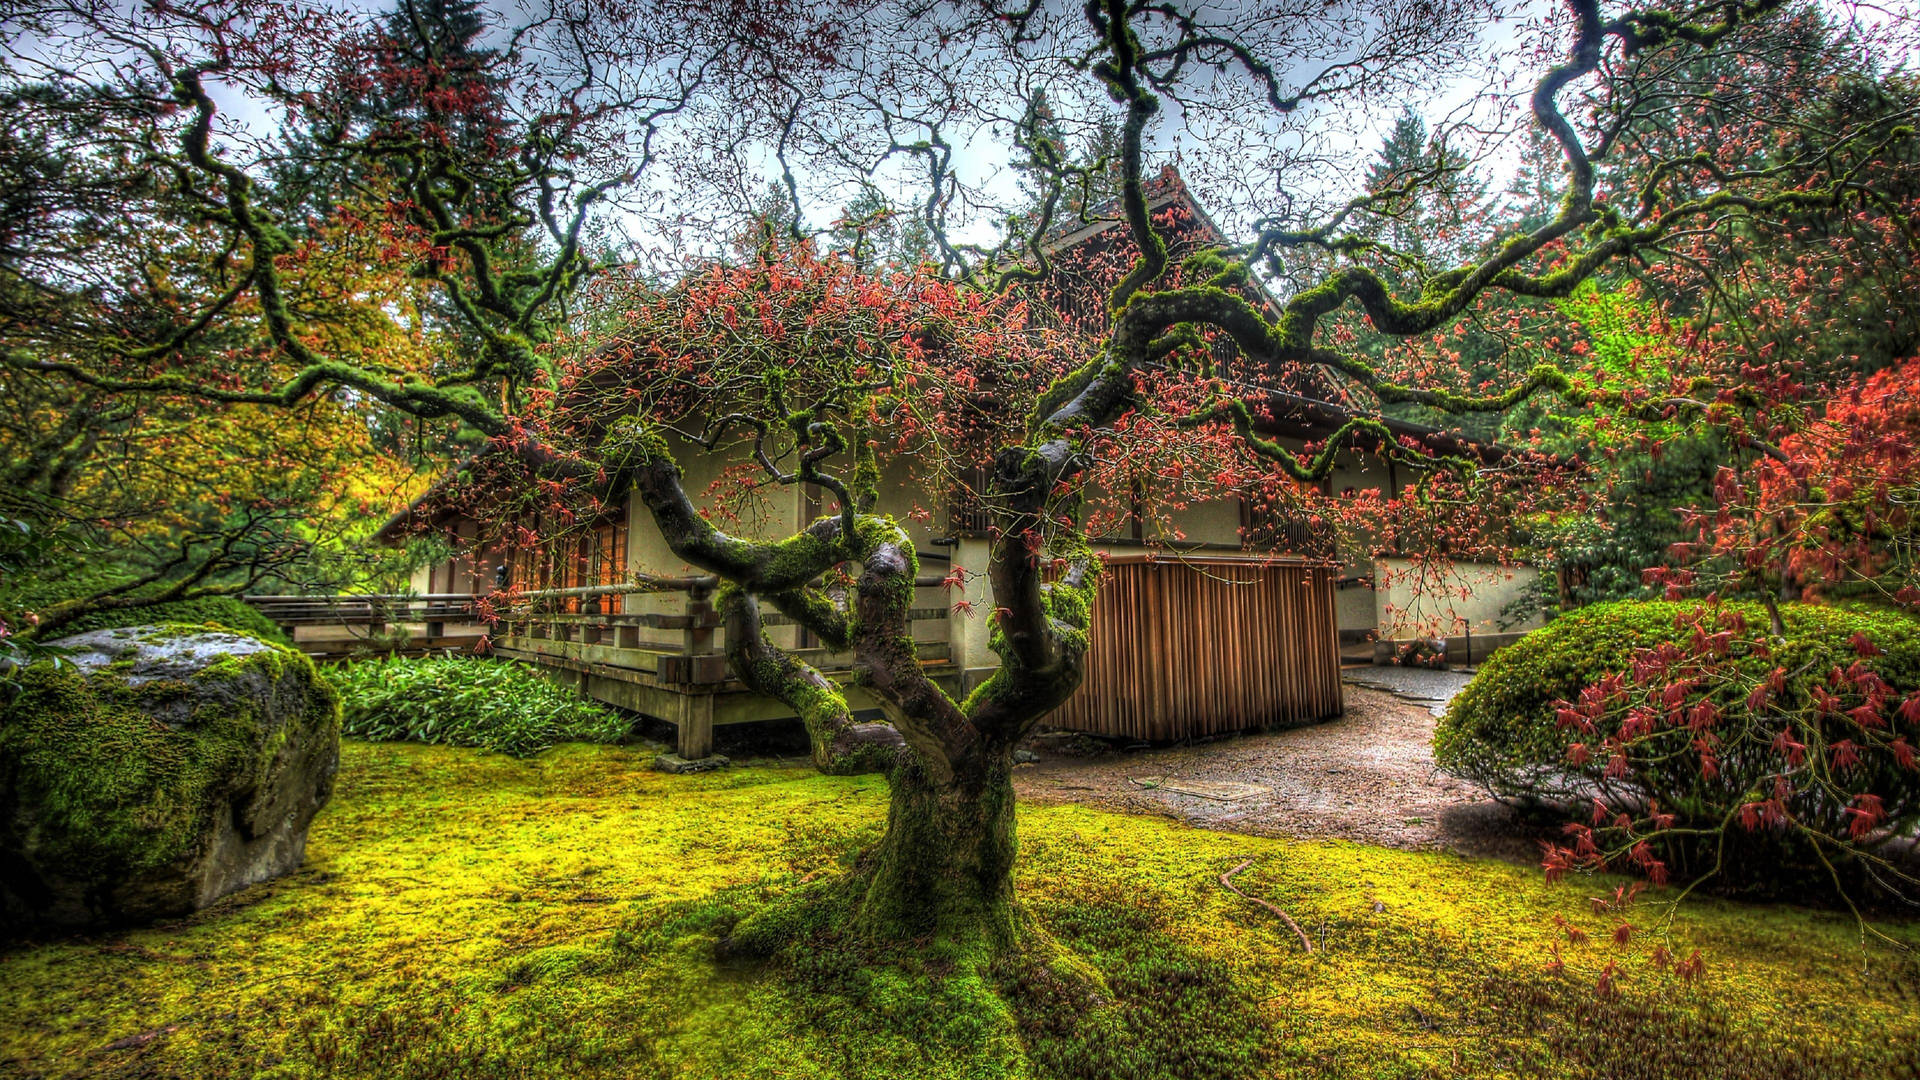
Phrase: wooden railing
x=671 y=664
x=525 y=621
x=451 y=622
x=365 y=609
x=684 y=647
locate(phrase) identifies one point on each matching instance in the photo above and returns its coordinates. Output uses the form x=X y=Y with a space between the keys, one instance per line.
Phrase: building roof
x=422 y=510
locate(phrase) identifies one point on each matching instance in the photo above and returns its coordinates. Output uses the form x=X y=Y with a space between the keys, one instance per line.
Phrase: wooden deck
x=667 y=665
x=672 y=665
x=336 y=627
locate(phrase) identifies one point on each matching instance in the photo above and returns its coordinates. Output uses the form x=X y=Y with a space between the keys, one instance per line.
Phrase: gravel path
x=1367 y=776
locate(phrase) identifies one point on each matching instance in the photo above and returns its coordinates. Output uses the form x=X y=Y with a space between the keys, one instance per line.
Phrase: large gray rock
x=156 y=771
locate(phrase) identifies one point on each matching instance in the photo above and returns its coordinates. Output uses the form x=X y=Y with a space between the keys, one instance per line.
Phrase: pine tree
x=1437 y=200
x=431 y=79
x=1100 y=157
x=867 y=231
x=434 y=99
x=877 y=233
x=1042 y=139
x=1533 y=193
x=1443 y=193
x=771 y=216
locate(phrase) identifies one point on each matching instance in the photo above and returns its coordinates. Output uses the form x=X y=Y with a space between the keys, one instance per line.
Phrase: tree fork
x=841 y=747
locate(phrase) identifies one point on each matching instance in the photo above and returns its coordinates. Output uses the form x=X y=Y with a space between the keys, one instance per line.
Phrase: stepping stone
x=1217 y=790
x=674 y=763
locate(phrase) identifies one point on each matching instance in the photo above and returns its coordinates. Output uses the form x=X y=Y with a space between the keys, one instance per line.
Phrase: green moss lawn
x=467 y=915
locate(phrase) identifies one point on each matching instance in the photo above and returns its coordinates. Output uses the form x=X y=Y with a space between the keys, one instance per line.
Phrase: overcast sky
x=1318 y=155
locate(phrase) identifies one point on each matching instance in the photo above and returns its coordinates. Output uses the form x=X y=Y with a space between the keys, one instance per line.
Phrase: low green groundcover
x=223 y=612
x=467 y=701
x=475 y=916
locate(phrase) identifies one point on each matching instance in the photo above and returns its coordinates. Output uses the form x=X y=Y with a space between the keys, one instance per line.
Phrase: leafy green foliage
x=1637 y=519
x=52 y=581
x=467 y=701
x=21 y=545
x=1628 y=350
x=1644 y=470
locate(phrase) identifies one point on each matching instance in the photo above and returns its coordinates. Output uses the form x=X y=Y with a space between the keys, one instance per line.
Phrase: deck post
x=697 y=638
x=695 y=726
x=696 y=709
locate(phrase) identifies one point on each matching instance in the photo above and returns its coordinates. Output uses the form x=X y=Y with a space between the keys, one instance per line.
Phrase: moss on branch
x=840 y=746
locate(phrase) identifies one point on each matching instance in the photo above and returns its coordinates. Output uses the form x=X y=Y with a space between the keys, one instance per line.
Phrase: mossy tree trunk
x=944 y=869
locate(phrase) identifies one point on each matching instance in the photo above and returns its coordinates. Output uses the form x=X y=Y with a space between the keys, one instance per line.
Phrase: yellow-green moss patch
x=468 y=915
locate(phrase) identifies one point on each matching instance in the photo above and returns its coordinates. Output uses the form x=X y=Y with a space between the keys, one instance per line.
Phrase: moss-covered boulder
x=155 y=770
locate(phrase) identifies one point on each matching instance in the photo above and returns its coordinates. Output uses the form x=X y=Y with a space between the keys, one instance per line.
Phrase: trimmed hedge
x=1503 y=732
x=467 y=701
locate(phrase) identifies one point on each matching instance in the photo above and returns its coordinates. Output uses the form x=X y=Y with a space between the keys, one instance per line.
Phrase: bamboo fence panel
x=1200 y=646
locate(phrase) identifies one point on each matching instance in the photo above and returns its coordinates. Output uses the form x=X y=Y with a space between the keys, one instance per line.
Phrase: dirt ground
x=1366 y=776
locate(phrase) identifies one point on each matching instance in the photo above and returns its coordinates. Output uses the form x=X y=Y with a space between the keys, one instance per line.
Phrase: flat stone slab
x=1217 y=790
x=674 y=763
x=1419 y=686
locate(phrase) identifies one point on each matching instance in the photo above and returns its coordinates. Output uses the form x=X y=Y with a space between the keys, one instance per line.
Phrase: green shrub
x=467 y=701
x=1790 y=763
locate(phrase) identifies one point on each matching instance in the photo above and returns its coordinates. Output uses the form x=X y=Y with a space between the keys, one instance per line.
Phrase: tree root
x=1227 y=880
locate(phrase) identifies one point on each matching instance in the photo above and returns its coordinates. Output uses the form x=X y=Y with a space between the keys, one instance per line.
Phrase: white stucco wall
x=1354 y=604
x=1216 y=521
x=774 y=513
x=970 y=607
x=1411 y=603
x=1365 y=472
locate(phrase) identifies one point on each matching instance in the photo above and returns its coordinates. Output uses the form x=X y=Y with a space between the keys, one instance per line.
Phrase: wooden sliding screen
x=1187 y=646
